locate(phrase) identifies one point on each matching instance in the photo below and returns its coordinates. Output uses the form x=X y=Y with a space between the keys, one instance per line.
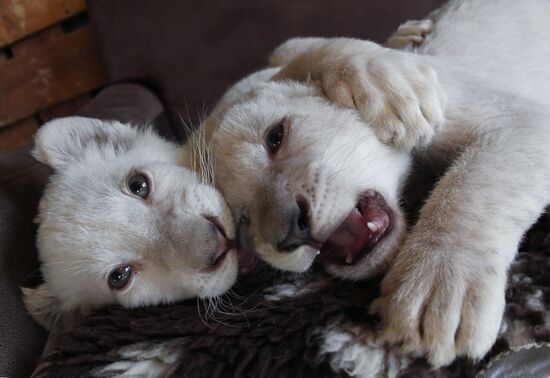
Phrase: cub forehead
x=150 y=147
x=267 y=100
x=307 y=120
x=106 y=169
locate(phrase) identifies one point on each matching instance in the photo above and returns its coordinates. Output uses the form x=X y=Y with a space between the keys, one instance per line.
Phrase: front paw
x=396 y=93
x=441 y=309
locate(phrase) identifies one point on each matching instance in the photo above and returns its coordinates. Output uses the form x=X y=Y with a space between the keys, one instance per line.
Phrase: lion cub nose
x=299 y=232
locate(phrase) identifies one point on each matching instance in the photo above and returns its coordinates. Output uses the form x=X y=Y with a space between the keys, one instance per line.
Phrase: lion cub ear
x=64 y=141
x=42 y=305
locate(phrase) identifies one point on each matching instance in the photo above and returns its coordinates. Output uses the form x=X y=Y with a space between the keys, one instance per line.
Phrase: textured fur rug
x=285 y=326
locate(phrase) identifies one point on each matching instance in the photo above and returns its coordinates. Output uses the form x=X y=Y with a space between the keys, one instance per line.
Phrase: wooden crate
x=20 y=18
x=18 y=134
x=49 y=66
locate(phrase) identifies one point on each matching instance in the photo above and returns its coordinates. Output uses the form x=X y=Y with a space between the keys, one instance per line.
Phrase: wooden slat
x=46 y=69
x=64 y=109
x=19 y=18
x=19 y=134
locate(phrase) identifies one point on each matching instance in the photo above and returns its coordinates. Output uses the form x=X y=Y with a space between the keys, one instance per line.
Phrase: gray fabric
x=190 y=51
x=532 y=361
x=21 y=182
x=129 y=103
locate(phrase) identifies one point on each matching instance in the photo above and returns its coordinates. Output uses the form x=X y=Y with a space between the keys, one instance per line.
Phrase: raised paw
x=397 y=93
x=399 y=96
x=410 y=34
x=440 y=312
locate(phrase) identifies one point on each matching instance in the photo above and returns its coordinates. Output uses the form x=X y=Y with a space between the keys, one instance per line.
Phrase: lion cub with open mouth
x=121 y=221
x=314 y=164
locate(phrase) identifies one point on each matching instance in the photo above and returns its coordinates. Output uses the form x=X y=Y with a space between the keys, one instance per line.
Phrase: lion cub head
x=306 y=178
x=121 y=222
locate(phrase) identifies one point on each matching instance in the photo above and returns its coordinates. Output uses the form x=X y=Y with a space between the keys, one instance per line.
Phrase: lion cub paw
x=441 y=315
x=397 y=94
x=410 y=34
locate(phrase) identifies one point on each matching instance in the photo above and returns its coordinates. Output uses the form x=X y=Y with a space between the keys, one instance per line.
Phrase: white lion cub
x=122 y=222
x=305 y=177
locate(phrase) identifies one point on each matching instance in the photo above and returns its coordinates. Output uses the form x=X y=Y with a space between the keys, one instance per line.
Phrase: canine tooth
x=349 y=259
x=371 y=226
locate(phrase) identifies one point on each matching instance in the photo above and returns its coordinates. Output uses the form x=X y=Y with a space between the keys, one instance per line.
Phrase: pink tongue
x=358 y=230
x=246 y=260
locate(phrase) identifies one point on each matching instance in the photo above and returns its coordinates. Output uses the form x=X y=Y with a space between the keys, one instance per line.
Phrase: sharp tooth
x=371 y=226
x=349 y=259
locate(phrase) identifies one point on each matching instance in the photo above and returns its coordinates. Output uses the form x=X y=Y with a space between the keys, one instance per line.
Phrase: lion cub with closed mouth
x=122 y=222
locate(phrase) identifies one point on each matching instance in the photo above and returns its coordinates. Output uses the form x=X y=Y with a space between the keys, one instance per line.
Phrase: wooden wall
x=49 y=65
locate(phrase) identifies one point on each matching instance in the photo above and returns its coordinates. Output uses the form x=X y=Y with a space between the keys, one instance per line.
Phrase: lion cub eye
x=275 y=137
x=138 y=184
x=120 y=276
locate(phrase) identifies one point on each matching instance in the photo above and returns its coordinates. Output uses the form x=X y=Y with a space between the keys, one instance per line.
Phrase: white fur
x=474 y=96
x=90 y=223
x=347 y=350
x=142 y=360
x=328 y=173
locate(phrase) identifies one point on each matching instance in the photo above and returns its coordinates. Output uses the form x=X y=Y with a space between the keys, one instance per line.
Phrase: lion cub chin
x=121 y=222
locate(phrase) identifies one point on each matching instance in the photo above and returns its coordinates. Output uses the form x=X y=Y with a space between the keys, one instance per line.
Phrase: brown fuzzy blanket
x=275 y=325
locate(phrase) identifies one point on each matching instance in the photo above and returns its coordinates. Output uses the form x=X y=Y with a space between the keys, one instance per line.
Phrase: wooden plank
x=46 y=69
x=20 y=18
x=64 y=109
x=18 y=134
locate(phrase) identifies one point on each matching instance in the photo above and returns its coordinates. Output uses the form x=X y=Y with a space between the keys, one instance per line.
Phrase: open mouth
x=224 y=245
x=363 y=229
